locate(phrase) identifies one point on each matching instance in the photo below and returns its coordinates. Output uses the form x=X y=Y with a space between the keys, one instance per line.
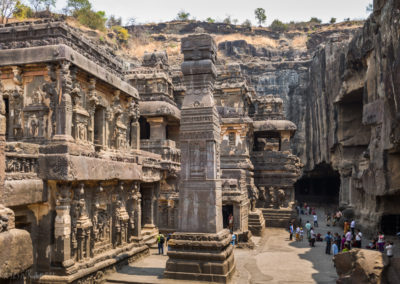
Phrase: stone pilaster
x=200 y=248
x=64 y=104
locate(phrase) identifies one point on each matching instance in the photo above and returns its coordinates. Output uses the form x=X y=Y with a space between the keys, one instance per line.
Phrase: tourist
x=349 y=237
x=308 y=228
x=373 y=244
x=297 y=234
x=343 y=242
x=352 y=226
x=301 y=234
x=358 y=238
x=291 y=230
x=160 y=242
x=337 y=240
x=315 y=220
x=328 y=220
x=230 y=222
x=346 y=227
x=346 y=247
x=381 y=242
x=389 y=250
x=233 y=242
x=312 y=237
x=328 y=240
x=313 y=211
x=335 y=249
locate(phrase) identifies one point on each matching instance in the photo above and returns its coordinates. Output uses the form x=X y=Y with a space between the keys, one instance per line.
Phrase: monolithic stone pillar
x=158 y=128
x=200 y=248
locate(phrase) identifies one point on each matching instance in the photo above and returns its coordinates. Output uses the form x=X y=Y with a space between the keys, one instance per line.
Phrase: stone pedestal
x=200 y=248
x=256 y=222
x=201 y=257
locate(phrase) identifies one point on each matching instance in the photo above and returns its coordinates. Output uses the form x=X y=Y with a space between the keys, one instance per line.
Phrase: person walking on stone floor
x=358 y=238
x=349 y=237
x=308 y=228
x=160 y=242
x=346 y=226
x=315 y=217
x=328 y=240
x=389 y=251
x=291 y=230
x=381 y=242
x=230 y=222
x=352 y=226
x=312 y=237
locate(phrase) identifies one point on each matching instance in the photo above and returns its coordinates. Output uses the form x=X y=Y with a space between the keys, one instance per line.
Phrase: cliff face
x=353 y=114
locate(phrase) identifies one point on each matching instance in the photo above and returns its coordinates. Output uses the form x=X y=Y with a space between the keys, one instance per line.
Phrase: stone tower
x=200 y=248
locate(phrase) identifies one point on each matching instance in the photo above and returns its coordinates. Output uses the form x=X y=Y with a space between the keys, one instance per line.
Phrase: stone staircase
x=149 y=235
x=256 y=223
x=278 y=218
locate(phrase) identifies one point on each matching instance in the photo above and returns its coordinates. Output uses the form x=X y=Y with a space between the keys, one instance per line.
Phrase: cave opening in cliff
x=390 y=224
x=319 y=186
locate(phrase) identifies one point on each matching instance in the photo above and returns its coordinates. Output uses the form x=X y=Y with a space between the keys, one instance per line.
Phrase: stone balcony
x=170 y=154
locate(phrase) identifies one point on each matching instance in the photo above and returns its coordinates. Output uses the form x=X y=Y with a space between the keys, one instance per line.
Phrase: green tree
x=333 y=20
x=131 y=21
x=183 y=16
x=7 y=8
x=260 y=16
x=210 y=20
x=278 y=26
x=315 y=20
x=369 y=8
x=91 y=19
x=122 y=34
x=77 y=5
x=22 y=11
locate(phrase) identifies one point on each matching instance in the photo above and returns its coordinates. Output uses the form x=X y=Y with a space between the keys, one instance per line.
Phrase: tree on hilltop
x=260 y=16
x=7 y=8
x=369 y=8
x=183 y=16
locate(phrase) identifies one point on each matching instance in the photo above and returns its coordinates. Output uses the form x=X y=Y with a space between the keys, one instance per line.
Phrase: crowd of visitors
x=352 y=236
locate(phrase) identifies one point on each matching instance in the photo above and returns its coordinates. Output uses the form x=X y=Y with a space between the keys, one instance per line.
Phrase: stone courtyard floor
x=274 y=260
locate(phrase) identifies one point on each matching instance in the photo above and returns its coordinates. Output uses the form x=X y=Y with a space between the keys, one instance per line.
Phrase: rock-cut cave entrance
x=320 y=186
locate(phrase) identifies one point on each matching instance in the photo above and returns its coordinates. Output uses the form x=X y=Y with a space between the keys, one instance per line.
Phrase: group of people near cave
x=335 y=243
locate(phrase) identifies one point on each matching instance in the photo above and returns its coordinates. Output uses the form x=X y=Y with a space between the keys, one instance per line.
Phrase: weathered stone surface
x=16 y=253
x=361 y=266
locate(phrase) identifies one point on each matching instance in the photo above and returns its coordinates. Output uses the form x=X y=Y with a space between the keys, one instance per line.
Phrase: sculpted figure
x=253 y=198
x=281 y=196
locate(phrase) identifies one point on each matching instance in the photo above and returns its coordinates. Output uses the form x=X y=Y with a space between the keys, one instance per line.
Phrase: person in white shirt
x=389 y=250
x=315 y=220
x=352 y=226
x=358 y=238
x=349 y=237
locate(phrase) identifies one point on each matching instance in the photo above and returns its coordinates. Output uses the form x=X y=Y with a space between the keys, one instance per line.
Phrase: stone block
x=16 y=253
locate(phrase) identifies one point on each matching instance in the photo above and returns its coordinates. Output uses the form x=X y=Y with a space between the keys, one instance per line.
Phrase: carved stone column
x=64 y=104
x=62 y=228
x=201 y=248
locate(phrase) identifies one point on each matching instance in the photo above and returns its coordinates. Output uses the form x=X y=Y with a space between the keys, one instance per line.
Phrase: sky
x=150 y=11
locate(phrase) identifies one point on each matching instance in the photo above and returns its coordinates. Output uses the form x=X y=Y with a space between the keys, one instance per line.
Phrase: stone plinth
x=202 y=257
x=256 y=222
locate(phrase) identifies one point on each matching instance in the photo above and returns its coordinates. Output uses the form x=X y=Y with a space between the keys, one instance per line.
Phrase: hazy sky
x=146 y=11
